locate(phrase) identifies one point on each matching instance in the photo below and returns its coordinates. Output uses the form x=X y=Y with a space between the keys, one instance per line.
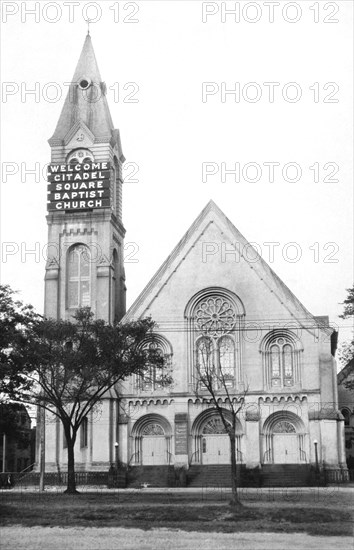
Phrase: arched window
x=346 y=414
x=226 y=352
x=281 y=359
x=281 y=352
x=80 y=156
x=204 y=355
x=215 y=321
x=152 y=379
x=214 y=426
x=78 y=277
x=284 y=427
x=152 y=429
x=275 y=361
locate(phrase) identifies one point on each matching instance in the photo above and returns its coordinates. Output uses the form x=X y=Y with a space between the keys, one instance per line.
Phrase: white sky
x=170 y=132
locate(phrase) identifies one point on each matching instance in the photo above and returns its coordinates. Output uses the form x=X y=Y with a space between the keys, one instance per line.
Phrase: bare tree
x=218 y=380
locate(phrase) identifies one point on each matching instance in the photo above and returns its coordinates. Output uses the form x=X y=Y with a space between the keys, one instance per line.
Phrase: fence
x=31 y=479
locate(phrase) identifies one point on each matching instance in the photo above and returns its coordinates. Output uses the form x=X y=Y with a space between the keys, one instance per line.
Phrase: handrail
x=191 y=460
x=266 y=457
x=131 y=458
x=169 y=456
x=28 y=467
x=303 y=454
x=239 y=454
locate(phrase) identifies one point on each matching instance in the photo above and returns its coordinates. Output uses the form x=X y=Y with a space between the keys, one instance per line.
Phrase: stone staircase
x=215 y=475
x=272 y=475
x=150 y=476
x=285 y=475
x=219 y=475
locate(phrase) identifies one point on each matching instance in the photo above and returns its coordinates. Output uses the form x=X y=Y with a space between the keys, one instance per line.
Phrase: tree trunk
x=234 y=485
x=71 y=487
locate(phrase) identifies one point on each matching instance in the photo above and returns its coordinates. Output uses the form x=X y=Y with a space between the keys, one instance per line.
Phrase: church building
x=213 y=292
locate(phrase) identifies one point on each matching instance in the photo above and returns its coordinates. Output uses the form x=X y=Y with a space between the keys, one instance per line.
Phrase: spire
x=86 y=100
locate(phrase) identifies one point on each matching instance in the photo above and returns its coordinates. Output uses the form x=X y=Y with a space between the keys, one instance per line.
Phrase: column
x=252 y=440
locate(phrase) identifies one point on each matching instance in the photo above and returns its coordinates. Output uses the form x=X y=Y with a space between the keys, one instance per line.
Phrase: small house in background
x=345 y=379
x=16 y=438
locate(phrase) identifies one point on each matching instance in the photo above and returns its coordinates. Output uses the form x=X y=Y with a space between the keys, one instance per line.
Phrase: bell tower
x=85 y=230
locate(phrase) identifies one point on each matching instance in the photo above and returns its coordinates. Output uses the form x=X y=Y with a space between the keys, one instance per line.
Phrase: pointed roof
x=86 y=105
x=212 y=214
x=346 y=371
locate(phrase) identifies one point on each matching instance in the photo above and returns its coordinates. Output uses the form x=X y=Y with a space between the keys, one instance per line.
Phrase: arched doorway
x=152 y=440
x=211 y=441
x=284 y=439
x=215 y=442
x=154 y=450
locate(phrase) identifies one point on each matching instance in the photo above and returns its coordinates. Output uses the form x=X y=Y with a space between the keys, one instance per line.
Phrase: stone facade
x=213 y=292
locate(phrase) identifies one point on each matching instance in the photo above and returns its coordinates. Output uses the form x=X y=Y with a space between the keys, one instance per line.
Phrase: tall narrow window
x=275 y=359
x=84 y=433
x=226 y=348
x=204 y=356
x=79 y=273
x=288 y=361
x=281 y=353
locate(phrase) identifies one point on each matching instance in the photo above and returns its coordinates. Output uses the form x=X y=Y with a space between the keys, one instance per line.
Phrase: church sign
x=181 y=434
x=79 y=186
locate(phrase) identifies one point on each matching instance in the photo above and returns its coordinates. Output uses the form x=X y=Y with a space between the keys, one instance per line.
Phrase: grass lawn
x=326 y=515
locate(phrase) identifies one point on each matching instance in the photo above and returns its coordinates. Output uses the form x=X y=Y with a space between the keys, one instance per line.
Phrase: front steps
x=286 y=475
x=270 y=475
x=219 y=475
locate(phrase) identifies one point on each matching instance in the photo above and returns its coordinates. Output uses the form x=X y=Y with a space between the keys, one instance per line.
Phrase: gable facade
x=213 y=299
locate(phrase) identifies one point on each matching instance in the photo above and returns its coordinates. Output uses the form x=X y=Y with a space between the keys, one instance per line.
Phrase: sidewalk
x=93 y=538
x=329 y=489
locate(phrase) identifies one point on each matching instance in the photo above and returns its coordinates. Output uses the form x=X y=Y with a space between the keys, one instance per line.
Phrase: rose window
x=215 y=316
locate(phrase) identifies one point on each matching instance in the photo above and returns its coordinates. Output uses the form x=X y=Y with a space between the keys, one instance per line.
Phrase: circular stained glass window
x=215 y=316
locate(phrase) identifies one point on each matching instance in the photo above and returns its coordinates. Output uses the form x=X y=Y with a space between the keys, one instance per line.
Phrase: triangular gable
x=212 y=214
x=346 y=372
x=80 y=135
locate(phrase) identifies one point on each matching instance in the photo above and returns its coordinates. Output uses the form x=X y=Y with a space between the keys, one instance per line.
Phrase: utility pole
x=3 y=452
x=42 y=449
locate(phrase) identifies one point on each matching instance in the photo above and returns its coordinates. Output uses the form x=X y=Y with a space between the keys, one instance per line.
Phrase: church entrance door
x=216 y=449
x=286 y=449
x=154 y=450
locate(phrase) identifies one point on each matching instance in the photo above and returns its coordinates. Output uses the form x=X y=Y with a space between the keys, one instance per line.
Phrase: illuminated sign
x=79 y=186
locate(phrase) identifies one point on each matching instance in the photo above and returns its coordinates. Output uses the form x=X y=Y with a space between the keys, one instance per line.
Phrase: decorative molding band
x=148 y=402
x=209 y=401
x=294 y=398
x=78 y=231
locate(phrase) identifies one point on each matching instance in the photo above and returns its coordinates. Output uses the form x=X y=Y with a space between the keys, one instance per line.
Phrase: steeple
x=86 y=104
x=85 y=202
